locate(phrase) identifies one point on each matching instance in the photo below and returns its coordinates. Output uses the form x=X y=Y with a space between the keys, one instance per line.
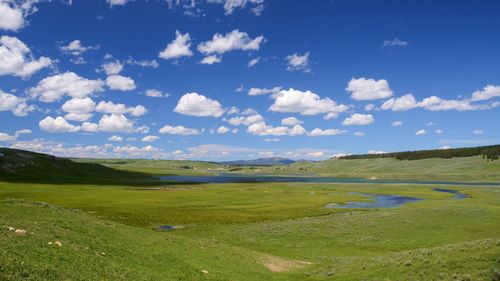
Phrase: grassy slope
x=158 y=167
x=458 y=169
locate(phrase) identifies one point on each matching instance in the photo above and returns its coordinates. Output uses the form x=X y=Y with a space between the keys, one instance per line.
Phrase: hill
x=272 y=161
x=21 y=165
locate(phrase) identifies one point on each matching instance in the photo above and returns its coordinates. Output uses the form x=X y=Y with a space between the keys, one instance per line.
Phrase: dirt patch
x=277 y=264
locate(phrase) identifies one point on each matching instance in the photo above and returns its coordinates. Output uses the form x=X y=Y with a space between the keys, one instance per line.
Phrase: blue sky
x=234 y=79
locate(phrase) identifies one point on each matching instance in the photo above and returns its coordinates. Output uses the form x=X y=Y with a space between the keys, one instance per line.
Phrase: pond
x=376 y=201
x=243 y=178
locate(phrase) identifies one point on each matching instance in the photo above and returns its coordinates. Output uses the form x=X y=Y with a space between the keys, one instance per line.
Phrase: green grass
x=229 y=229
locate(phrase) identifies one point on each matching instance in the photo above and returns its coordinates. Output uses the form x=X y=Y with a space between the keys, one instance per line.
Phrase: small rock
x=11 y=228
x=204 y=271
x=50 y=243
x=103 y=254
x=58 y=243
x=20 y=232
x=407 y=263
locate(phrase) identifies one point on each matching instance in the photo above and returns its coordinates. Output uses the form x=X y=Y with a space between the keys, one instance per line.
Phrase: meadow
x=244 y=231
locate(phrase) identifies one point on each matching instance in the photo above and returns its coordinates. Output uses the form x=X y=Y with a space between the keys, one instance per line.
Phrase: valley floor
x=264 y=231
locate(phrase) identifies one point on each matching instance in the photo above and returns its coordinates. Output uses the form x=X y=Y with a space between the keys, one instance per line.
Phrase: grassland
x=259 y=231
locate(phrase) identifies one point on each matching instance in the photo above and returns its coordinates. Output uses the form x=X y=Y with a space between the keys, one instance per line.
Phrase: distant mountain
x=272 y=161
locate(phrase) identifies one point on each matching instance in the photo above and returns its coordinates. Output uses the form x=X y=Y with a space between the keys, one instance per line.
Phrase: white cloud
x=328 y=132
x=194 y=104
x=439 y=131
x=395 y=43
x=110 y=107
x=369 y=89
x=115 y=123
x=359 y=134
x=75 y=48
x=402 y=103
x=80 y=117
x=7 y=137
x=305 y=103
x=234 y=40
x=57 y=125
x=178 y=48
x=143 y=63
x=298 y=62
x=53 y=88
x=397 y=123
x=478 y=132
x=231 y=5
x=246 y=120
x=290 y=121
x=222 y=130
x=77 y=105
x=358 y=119
x=120 y=83
x=488 y=92
x=16 y=58
x=17 y=105
x=420 y=132
x=233 y=110
x=112 y=67
x=262 y=129
x=179 y=130
x=253 y=61
x=115 y=138
x=117 y=2
x=212 y=59
x=14 y=13
x=263 y=91
x=376 y=152
x=137 y=111
x=150 y=138
x=370 y=107
x=156 y=94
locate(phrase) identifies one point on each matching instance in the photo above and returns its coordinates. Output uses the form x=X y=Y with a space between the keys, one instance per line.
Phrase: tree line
x=490 y=153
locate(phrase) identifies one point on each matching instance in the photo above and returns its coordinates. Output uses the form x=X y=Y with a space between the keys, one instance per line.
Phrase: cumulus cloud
x=180 y=47
x=488 y=92
x=305 y=103
x=263 y=91
x=402 y=103
x=297 y=62
x=115 y=123
x=358 y=119
x=246 y=120
x=156 y=94
x=77 y=105
x=179 y=130
x=397 y=123
x=369 y=89
x=420 y=132
x=115 y=138
x=57 y=125
x=290 y=121
x=120 y=83
x=75 y=48
x=17 y=105
x=53 y=88
x=263 y=129
x=231 y=5
x=16 y=58
x=234 y=40
x=328 y=132
x=212 y=59
x=111 y=108
x=143 y=63
x=14 y=13
x=6 y=137
x=150 y=138
x=194 y=104
x=117 y=2
x=112 y=67
x=222 y=130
